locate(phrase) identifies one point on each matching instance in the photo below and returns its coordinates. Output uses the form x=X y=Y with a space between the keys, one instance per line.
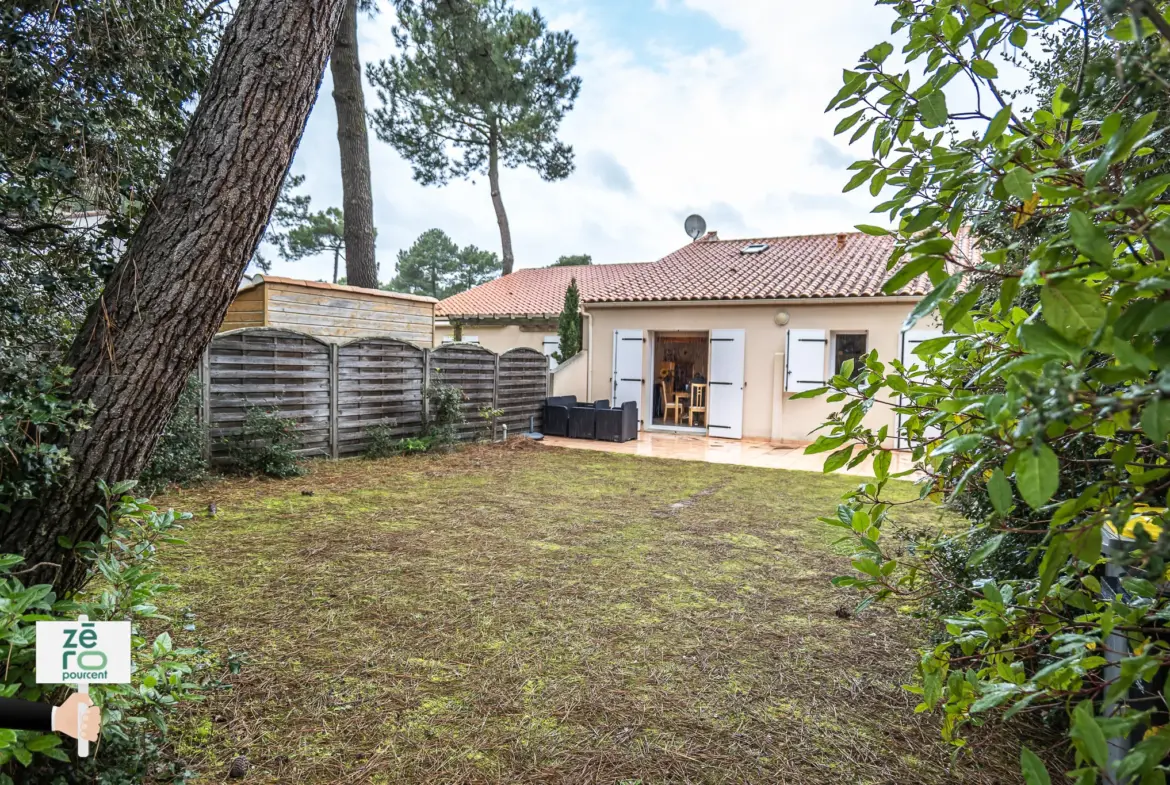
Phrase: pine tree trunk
x=361 y=266
x=498 y=203
x=170 y=291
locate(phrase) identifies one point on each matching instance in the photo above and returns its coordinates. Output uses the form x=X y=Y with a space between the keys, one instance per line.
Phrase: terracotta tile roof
x=848 y=264
x=532 y=292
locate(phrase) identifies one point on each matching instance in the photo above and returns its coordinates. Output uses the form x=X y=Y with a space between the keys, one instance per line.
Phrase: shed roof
x=336 y=287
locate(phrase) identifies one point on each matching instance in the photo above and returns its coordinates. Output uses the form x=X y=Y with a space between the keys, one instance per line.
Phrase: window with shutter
x=805 y=360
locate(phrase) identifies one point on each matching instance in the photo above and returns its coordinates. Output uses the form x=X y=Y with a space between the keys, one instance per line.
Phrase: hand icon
x=65 y=717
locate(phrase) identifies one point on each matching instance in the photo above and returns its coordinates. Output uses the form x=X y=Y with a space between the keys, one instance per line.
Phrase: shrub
x=445 y=402
x=384 y=444
x=35 y=416
x=490 y=416
x=180 y=455
x=134 y=716
x=266 y=444
x=1043 y=411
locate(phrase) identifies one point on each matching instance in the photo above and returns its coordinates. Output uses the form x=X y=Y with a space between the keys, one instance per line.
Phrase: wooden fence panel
x=282 y=371
x=380 y=382
x=522 y=388
x=472 y=369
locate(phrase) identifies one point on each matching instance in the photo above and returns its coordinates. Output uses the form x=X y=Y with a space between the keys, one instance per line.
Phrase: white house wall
x=769 y=412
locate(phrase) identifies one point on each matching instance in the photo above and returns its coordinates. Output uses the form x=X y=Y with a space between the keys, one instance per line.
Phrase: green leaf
x=837 y=460
x=1039 y=338
x=1035 y=772
x=1089 y=238
x=1018 y=183
x=998 y=125
x=873 y=231
x=980 y=554
x=984 y=68
x=933 y=109
x=1086 y=730
x=999 y=489
x=958 y=444
x=1037 y=474
x=1072 y=309
x=1055 y=556
x=43 y=742
x=848 y=122
x=1019 y=39
x=1156 y=419
x=928 y=303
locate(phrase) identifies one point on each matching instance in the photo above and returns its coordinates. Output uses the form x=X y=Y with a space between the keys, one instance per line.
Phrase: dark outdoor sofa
x=617 y=425
x=556 y=414
x=564 y=416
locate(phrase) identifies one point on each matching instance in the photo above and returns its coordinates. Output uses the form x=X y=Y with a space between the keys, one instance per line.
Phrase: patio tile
x=747 y=452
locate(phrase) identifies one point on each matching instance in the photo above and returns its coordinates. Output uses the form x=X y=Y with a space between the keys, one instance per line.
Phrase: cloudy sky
x=707 y=106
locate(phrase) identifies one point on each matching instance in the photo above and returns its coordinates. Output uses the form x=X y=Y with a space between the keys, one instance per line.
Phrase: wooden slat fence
x=472 y=369
x=521 y=387
x=337 y=393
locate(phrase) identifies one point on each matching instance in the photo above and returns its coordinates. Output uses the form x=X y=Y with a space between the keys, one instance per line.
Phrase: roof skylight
x=754 y=248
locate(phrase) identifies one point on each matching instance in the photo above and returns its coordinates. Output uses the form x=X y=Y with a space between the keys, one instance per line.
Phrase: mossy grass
x=530 y=614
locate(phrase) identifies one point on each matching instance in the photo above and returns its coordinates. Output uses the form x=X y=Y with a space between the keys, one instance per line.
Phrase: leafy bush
x=445 y=414
x=384 y=443
x=180 y=454
x=266 y=444
x=127 y=586
x=35 y=413
x=490 y=416
x=1043 y=411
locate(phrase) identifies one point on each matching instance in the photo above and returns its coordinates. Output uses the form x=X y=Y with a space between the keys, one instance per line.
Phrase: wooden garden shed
x=332 y=312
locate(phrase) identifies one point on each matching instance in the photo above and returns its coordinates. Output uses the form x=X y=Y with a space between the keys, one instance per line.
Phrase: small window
x=849 y=346
x=754 y=248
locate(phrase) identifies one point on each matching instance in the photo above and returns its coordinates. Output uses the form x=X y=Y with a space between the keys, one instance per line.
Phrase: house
x=331 y=312
x=752 y=321
x=520 y=309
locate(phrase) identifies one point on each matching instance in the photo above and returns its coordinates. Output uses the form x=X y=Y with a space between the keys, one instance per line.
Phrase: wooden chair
x=698 y=403
x=669 y=403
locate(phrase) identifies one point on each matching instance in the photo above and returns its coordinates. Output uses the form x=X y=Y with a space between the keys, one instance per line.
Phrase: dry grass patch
x=544 y=615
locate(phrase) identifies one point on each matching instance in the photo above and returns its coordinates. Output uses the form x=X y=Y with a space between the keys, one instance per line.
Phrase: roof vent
x=754 y=248
x=841 y=241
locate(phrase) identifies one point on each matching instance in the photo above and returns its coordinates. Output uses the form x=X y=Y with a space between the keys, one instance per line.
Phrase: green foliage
x=384 y=444
x=127 y=585
x=575 y=260
x=266 y=444
x=445 y=412
x=569 y=324
x=297 y=233
x=476 y=83
x=435 y=266
x=35 y=411
x=1041 y=413
x=94 y=94
x=180 y=454
x=490 y=415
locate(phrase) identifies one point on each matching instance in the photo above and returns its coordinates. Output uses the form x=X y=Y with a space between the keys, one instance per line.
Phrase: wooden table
x=679 y=397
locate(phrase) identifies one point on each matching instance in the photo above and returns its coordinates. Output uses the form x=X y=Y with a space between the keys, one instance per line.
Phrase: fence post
x=495 y=392
x=205 y=399
x=426 y=382
x=334 y=375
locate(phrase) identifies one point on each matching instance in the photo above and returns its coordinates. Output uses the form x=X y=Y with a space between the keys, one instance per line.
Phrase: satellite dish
x=695 y=225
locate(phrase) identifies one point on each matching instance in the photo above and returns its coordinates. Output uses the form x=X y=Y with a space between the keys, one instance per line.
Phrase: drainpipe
x=589 y=348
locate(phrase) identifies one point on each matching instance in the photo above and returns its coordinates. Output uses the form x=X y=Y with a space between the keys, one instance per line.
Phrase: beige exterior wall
x=769 y=412
x=497 y=338
x=571 y=378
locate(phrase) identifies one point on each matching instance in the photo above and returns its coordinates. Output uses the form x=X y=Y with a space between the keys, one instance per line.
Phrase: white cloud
x=739 y=136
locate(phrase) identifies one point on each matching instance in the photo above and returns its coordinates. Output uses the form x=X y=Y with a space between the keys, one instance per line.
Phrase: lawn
x=530 y=614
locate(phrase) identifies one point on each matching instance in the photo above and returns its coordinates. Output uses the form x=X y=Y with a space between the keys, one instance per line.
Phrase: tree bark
x=172 y=287
x=498 y=203
x=361 y=266
x=336 y=255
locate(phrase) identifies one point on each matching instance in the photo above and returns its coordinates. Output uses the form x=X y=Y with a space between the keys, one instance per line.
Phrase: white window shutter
x=805 y=360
